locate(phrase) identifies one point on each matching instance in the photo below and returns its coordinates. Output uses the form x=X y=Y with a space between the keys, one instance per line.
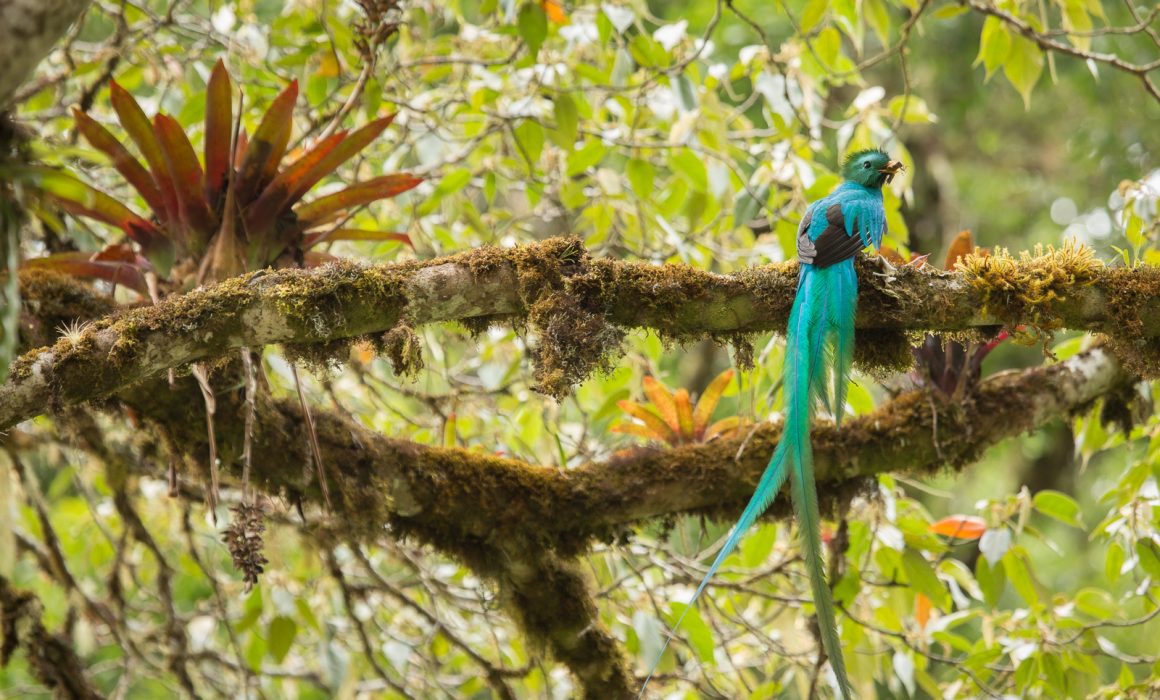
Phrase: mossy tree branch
x=580 y=308
x=526 y=521
x=519 y=523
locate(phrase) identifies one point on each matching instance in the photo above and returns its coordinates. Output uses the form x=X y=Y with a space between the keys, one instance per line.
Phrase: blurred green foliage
x=690 y=132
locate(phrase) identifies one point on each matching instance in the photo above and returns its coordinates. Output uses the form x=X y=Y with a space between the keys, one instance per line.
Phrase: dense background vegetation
x=689 y=133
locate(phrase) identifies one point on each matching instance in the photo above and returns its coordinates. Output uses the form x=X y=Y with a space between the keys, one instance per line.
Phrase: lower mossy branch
x=579 y=308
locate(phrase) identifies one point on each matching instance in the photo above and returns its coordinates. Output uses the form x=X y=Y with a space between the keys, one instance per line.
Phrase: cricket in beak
x=891 y=169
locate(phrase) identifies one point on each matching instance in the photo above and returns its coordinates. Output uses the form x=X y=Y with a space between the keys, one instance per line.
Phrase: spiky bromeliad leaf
x=188 y=182
x=279 y=194
x=219 y=121
x=327 y=208
x=137 y=125
x=266 y=148
x=130 y=168
x=323 y=159
x=86 y=265
x=708 y=402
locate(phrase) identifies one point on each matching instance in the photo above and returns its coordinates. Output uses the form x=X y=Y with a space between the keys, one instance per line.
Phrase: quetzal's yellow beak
x=891 y=169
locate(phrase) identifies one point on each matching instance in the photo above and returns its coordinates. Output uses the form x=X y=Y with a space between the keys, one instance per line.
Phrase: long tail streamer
x=821 y=325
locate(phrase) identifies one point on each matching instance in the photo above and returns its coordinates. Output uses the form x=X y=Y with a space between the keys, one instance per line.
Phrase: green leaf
x=1023 y=66
x=1060 y=506
x=699 y=635
x=280 y=637
x=641 y=176
x=923 y=579
x=916 y=112
x=1149 y=555
x=757 y=546
x=828 y=46
x=814 y=12
x=691 y=167
x=994 y=45
x=1114 y=562
x=567 y=118
x=1095 y=603
x=878 y=17
x=530 y=137
x=991 y=580
x=589 y=155
x=532 y=24
x=949 y=11
x=1077 y=19
x=1015 y=564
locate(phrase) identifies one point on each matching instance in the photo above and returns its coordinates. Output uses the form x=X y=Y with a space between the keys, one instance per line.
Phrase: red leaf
x=324 y=209
x=964 y=527
x=137 y=125
x=346 y=150
x=188 y=179
x=84 y=265
x=268 y=146
x=354 y=234
x=218 y=132
x=134 y=173
x=279 y=194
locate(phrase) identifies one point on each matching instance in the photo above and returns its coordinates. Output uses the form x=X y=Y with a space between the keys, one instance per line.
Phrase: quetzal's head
x=870 y=168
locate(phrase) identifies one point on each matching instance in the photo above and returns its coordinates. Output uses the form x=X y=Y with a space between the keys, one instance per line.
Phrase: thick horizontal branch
x=464 y=502
x=579 y=307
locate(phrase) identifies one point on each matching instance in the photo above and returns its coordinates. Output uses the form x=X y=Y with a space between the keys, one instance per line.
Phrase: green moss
x=1022 y=292
x=1132 y=309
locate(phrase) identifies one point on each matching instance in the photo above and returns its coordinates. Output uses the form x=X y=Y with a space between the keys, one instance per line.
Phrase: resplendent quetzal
x=820 y=333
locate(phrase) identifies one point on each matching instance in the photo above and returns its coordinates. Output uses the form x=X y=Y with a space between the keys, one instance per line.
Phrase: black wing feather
x=834 y=245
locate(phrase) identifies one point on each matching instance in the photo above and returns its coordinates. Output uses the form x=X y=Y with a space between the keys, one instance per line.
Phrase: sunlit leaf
x=684 y=413
x=323 y=209
x=924 y=580
x=1023 y=66
x=650 y=418
x=533 y=25
x=994 y=45
x=662 y=400
x=707 y=403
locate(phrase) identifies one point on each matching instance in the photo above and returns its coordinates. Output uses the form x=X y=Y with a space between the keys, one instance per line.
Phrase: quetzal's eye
x=866 y=165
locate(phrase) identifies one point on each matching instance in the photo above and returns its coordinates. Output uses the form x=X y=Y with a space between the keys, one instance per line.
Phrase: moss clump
x=1132 y=310
x=402 y=347
x=572 y=343
x=882 y=352
x=1022 y=292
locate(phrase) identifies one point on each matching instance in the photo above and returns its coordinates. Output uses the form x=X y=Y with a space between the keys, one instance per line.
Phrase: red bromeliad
x=230 y=212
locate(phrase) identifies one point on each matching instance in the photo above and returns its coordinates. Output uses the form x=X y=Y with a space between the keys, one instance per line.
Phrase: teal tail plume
x=821 y=327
